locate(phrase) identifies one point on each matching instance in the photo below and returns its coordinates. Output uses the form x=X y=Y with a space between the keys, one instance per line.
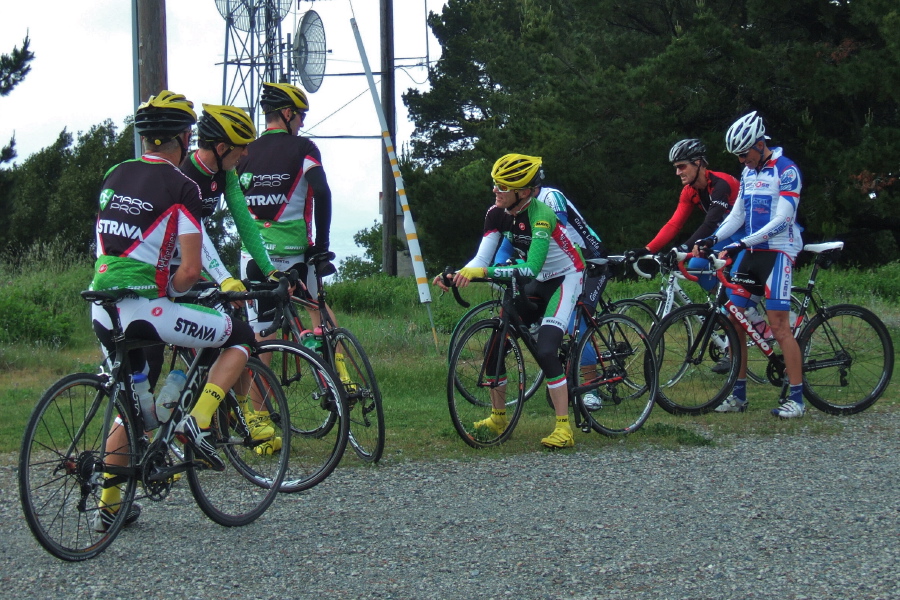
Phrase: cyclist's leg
x=778 y=306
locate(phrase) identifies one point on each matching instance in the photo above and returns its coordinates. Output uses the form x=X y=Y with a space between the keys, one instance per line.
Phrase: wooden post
x=388 y=184
x=152 y=59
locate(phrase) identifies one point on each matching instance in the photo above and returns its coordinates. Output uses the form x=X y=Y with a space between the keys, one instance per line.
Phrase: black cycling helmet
x=276 y=96
x=164 y=116
x=690 y=150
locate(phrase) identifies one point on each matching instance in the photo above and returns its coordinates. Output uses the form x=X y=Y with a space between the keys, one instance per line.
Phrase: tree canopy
x=601 y=89
x=13 y=69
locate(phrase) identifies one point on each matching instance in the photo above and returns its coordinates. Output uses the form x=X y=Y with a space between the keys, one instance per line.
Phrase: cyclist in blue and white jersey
x=765 y=213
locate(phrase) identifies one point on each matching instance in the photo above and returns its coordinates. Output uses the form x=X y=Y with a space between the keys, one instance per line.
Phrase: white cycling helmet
x=744 y=132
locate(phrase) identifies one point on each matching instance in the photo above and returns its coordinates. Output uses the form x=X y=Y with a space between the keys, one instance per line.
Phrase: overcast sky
x=82 y=74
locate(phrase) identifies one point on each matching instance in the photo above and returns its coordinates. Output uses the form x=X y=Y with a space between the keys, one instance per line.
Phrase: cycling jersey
x=145 y=205
x=765 y=212
x=212 y=185
x=537 y=237
x=279 y=190
x=715 y=200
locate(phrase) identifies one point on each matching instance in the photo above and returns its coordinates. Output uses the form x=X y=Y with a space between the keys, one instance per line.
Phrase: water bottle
x=145 y=397
x=312 y=339
x=169 y=395
x=759 y=323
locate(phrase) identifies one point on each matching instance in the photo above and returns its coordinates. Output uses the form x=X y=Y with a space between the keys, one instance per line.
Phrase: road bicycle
x=632 y=307
x=847 y=352
x=343 y=351
x=68 y=458
x=619 y=367
x=671 y=296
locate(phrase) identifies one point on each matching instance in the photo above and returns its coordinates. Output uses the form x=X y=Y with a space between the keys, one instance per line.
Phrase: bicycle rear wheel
x=253 y=470
x=469 y=366
x=318 y=408
x=62 y=463
x=622 y=372
x=635 y=309
x=848 y=359
x=364 y=404
x=686 y=344
x=490 y=309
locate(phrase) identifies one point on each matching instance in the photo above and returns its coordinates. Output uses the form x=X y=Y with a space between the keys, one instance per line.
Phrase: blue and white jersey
x=765 y=212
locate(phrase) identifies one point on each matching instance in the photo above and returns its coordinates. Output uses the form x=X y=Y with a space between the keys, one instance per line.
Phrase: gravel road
x=786 y=517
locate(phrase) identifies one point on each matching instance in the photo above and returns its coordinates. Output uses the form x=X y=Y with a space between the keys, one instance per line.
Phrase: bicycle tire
x=319 y=421
x=364 y=405
x=468 y=365
x=60 y=478
x=638 y=310
x=655 y=300
x=490 y=309
x=624 y=377
x=687 y=385
x=253 y=472
x=848 y=359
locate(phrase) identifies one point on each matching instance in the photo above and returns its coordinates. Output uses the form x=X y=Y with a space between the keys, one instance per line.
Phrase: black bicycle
x=612 y=359
x=87 y=433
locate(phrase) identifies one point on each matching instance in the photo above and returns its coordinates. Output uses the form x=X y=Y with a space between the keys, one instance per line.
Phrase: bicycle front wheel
x=63 y=463
x=614 y=360
x=490 y=309
x=848 y=359
x=364 y=404
x=254 y=469
x=476 y=367
x=318 y=408
x=635 y=309
x=687 y=343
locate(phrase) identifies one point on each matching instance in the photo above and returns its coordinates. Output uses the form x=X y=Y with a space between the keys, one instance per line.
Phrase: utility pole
x=388 y=186
x=149 y=48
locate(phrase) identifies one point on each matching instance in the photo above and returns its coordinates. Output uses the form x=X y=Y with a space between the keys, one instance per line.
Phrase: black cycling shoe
x=188 y=432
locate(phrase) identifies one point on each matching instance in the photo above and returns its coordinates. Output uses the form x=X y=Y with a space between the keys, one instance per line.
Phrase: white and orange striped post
x=412 y=238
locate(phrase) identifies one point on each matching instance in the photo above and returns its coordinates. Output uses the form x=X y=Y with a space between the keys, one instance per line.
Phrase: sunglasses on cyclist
x=743 y=155
x=504 y=188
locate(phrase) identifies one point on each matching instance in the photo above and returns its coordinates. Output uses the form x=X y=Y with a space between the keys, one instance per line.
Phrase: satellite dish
x=309 y=51
x=242 y=11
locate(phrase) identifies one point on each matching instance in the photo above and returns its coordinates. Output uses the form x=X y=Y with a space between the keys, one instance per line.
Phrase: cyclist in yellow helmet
x=555 y=262
x=147 y=207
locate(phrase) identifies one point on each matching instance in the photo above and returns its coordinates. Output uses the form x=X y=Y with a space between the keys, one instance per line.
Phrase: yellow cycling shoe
x=495 y=423
x=261 y=427
x=560 y=438
x=270 y=447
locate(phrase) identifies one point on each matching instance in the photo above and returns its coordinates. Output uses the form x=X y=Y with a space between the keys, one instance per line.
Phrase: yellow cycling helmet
x=276 y=96
x=164 y=116
x=517 y=171
x=227 y=124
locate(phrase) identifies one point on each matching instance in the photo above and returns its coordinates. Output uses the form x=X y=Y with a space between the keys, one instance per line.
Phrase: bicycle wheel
x=848 y=359
x=318 y=409
x=621 y=372
x=686 y=343
x=62 y=463
x=364 y=405
x=477 y=347
x=253 y=471
x=655 y=300
x=641 y=312
x=490 y=309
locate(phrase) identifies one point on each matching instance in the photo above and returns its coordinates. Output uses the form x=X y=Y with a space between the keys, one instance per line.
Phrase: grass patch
x=410 y=362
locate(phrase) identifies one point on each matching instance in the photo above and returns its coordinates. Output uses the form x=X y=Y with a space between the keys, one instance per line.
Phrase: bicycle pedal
x=585 y=428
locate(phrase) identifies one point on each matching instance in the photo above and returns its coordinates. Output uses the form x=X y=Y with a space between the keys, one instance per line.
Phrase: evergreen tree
x=13 y=69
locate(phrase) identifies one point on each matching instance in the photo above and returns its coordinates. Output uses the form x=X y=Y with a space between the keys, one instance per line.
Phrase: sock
x=111 y=496
x=209 y=401
x=563 y=422
x=341 y=367
x=796 y=393
x=739 y=390
x=498 y=414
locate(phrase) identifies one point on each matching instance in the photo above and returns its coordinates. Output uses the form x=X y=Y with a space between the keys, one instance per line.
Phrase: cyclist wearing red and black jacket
x=548 y=255
x=286 y=190
x=712 y=192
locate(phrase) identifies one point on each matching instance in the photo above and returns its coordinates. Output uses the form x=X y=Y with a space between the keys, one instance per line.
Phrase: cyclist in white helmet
x=765 y=213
